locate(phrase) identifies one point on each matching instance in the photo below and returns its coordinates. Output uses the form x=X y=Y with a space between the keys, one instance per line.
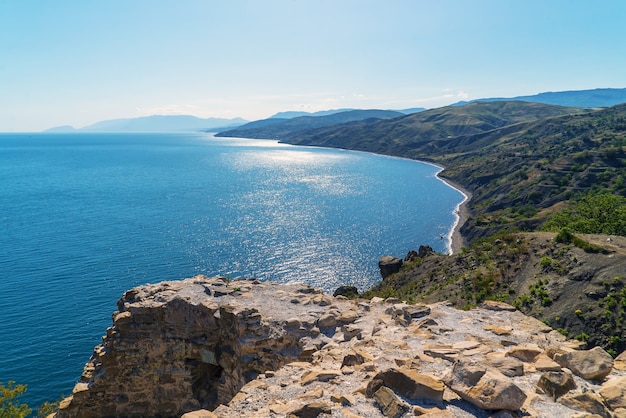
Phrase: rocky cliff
x=247 y=348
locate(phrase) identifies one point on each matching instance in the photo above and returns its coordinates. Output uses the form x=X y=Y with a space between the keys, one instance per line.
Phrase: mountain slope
x=582 y=294
x=426 y=129
x=281 y=128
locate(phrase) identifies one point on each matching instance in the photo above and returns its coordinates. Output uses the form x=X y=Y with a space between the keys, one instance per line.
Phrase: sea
x=85 y=217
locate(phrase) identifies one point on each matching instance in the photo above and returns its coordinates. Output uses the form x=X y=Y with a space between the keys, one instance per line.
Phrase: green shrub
x=10 y=407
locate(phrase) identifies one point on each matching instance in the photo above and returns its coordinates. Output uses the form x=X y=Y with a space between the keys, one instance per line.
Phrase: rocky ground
x=579 y=292
x=252 y=349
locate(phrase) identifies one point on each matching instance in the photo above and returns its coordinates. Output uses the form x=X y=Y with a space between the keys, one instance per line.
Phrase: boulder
x=508 y=366
x=589 y=402
x=412 y=385
x=328 y=320
x=310 y=410
x=411 y=256
x=524 y=353
x=390 y=405
x=319 y=376
x=556 y=384
x=544 y=363
x=389 y=265
x=620 y=362
x=614 y=392
x=494 y=305
x=412 y=312
x=594 y=364
x=350 y=292
x=425 y=250
x=485 y=388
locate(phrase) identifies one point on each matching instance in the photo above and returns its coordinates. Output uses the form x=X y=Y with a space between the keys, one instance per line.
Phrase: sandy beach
x=456 y=240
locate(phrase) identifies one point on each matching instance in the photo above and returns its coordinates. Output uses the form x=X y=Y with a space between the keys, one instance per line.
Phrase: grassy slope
x=582 y=294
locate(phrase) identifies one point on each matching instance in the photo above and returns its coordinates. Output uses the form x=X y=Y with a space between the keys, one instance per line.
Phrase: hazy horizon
x=77 y=63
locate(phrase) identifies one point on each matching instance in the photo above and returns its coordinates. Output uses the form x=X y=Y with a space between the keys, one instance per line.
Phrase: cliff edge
x=258 y=349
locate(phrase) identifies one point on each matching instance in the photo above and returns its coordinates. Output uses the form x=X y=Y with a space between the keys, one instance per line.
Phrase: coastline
x=456 y=240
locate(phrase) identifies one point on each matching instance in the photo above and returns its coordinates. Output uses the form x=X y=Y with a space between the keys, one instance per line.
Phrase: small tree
x=9 y=406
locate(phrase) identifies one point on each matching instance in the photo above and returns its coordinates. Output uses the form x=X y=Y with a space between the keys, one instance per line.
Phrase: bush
x=9 y=406
x=603 y=213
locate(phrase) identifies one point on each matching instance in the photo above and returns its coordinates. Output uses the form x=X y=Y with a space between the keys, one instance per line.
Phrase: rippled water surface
x=87 y=216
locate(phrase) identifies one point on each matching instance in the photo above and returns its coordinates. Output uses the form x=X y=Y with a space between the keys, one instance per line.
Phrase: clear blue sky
x=76 y=62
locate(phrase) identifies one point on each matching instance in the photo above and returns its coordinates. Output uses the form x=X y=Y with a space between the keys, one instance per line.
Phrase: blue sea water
x=85 y=217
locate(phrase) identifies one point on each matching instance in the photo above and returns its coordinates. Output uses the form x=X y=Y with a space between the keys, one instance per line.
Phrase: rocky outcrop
x=207 y=347
x=389 y=265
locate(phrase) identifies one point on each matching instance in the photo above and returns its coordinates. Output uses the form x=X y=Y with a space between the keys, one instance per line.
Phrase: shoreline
x=461 y=212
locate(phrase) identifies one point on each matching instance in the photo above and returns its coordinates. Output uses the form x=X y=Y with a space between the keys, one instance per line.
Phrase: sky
x=77 y=62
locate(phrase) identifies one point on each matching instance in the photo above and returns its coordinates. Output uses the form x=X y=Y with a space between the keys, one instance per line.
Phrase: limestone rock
x=201 y=413
x=594 y=364
x=524 y=353
x=345 y=400
x=487 y=389
x=447 y=353
x=390 y=405
x=328 y=320
x=412 y=312
x=348 y=316
x=614 y=393
x=498 y=329
x=389 y=265
x=620 y=361
x=310 y=410
x=556 y=384
x=588 y=402
x=508 y=366
x=544 y=363
x=494 y=305
x=438 y=413
x=319 y=376
x=412 y=385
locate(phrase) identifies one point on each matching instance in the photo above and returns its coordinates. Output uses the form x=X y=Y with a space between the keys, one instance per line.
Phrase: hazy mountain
x=573 y=98
x=290 y=114
x=279 y=128
x=156 y=123
x=412 y=110
x=296 y=114
x=61 y=129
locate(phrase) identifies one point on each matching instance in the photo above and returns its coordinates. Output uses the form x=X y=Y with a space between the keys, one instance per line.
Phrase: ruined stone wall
x=179 y=346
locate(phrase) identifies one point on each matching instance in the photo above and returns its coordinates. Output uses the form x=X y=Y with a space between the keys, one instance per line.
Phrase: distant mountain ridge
x=294 y=114
x=601 y=97
x=281 y=128
x=420 y=133
x=574 y=98
x=156 y=123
